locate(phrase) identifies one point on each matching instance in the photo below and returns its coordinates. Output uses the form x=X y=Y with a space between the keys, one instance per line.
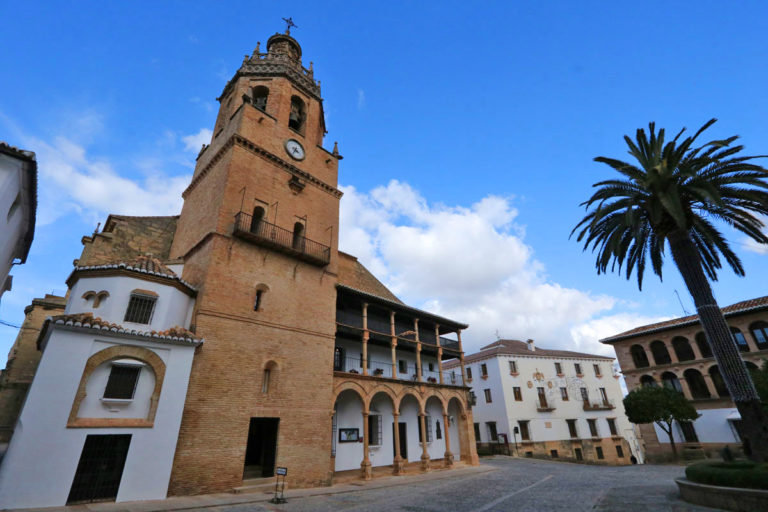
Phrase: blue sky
x=468 y=131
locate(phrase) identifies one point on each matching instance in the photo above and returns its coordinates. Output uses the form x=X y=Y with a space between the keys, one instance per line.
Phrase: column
x=672 y=353
x=366 y=464
x=710 y=385
x=684 y=386
x=424 y=454
x=394 y=343
x=439 y=354
x=364 y=362
x=397 y=463
x=418 y=349
x=448 y=455
x=461 y=360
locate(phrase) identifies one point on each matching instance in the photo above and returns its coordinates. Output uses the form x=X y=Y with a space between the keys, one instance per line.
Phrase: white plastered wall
x=40 y=464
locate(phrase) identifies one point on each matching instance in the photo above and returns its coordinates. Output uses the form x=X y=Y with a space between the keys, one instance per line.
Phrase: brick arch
x=111 y=354
x=386 y=390
x=457 y=398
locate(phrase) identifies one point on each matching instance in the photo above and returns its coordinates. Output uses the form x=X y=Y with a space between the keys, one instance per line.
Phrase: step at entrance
x=257 y=486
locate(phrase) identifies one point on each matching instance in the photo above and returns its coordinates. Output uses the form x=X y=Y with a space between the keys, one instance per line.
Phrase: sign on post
x=279 y=485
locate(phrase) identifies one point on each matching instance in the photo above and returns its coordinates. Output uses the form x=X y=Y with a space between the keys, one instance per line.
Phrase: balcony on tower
x=292 y=243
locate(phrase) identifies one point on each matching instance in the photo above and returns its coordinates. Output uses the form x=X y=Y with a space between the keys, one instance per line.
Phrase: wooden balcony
x=274 y=237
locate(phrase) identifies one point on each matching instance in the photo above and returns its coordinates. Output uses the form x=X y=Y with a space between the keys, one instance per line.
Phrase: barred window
x=374 y=430
x=512 y=367
x=558 y=368
x=140 y=309
x=428 y=425
x=122 y=381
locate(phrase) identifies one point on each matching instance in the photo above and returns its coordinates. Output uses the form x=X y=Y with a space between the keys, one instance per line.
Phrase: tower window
x=258 y=217
x=261 y=290
x=257 y=303
x=298 y=236
x=298 y=115
x=260 y=95
x=140 y=309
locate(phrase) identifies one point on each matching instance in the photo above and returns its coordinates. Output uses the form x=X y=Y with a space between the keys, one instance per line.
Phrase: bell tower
x=258 y=238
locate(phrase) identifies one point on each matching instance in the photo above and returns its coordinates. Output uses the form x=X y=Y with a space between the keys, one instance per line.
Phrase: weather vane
x=288 y=24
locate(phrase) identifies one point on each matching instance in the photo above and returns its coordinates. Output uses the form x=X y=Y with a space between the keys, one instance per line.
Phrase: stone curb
x=223 y=499
x=728 y=498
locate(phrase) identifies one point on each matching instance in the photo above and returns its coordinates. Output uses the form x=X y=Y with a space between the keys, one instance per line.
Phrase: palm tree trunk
x=732 y=368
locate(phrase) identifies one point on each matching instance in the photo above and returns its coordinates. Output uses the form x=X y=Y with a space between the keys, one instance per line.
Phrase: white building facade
x=549 y=403
x=101 y=419
x=18 y=204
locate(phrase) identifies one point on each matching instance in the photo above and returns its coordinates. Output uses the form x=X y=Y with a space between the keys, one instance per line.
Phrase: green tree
x=660 y=405
x=673 y=196
x=760 y=378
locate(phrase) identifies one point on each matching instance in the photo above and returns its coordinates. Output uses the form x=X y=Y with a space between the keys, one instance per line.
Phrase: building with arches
x=676 y=354
x=309 y=361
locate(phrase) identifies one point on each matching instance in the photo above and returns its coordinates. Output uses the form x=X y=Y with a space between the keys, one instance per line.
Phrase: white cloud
x=472 y=264
x=360 y=99
x=195 y=141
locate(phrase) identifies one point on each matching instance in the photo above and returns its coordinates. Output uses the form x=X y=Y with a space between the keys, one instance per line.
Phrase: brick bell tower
x=258 y=237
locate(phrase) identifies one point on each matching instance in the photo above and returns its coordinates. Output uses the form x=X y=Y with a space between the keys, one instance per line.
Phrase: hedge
x=744 y=474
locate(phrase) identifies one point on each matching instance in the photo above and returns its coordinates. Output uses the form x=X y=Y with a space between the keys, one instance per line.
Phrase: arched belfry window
x=298 y=236
x=648 y=381
x=260 y=95
x=682 y=349
x=660 y=353
x=759 y=331
x=740 y=340
x=298 y=115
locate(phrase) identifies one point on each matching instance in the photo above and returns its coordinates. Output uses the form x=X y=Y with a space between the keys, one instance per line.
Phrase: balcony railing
x=384 y=369
x=602 y=405
x=544 y=406
x=269 y=235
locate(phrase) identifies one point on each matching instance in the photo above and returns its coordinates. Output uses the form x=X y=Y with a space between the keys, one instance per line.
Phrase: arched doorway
x=348 y=430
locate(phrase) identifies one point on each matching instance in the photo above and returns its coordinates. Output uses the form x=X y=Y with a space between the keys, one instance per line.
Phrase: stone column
x=418 y=349
x=446 y=433
x=710 y=385
x=394 y=343
x=439 y=354
x=461 y=360
x=684 y=386
x=671 y=352
x=366 y=464
x=424 y=453
x=398 y=462
x=695 y=347
x=364 y=362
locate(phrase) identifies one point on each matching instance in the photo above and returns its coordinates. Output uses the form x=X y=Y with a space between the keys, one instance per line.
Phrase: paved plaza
x=511 y=485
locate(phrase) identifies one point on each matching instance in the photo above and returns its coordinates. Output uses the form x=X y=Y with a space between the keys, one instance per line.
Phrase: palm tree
x=673 y=196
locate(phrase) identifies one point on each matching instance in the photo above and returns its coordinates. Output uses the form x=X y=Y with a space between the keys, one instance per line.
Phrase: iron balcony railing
x=283 y=240
x=599 y=405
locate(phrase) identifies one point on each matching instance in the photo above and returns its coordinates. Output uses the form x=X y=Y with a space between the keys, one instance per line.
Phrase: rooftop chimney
x=531 y=346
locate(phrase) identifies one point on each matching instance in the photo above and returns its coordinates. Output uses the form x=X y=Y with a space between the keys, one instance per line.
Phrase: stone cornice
x=271 y=157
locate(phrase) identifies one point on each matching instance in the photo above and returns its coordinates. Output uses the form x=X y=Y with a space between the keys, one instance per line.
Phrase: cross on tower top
x=288 y=24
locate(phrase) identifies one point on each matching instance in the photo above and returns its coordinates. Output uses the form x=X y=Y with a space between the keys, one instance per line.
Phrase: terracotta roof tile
x=353 y=274
x=142 y=264
x=88 y=321
x=520 y=348
x=739 y=307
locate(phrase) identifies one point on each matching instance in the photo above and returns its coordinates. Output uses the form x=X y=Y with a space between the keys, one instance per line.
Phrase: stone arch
x=660 y=352
x=670 y=380
x=696 y=383
x=260 y=95
x=701 y=341
x=682 y=348
x=298 y=116
x=639 y=357
x=647 y=380
x=351 y=385
x=717 y=380
x=110 y=354
x=407 y=392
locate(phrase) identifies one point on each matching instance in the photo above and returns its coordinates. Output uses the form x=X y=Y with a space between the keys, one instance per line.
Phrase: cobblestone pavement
x=514 y=485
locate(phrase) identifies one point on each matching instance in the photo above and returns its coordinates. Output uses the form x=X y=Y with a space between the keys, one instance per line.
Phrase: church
x=197 y=353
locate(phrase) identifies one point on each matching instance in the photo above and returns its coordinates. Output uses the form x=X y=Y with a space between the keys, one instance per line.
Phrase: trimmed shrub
x=744 y=474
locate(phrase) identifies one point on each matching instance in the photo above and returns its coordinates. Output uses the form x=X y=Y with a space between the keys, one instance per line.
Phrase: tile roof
x=734 y=309
x=142 y=264
x=520 y=348
x=88 y=321
x=353 y=274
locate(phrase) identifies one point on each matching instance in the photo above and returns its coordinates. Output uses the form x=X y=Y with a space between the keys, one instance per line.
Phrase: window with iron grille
x=374 y=430
x=492 y=434
x=619 y=451
x=558 y=368
x=599 y=451
x=484 y=370
x=428 y=425
x=597 y=369
x=584 y=394
x=564 y=394
x=525 y=434
x=518 y=394
x=469 y=373
x=487 y=395
x=577 y=366
x=401 y=368
x=121 y=384
x=513 y=367
x=592 y=427
x=438 y=432
x=572 y=428
x=612 y=426
x=140 y=309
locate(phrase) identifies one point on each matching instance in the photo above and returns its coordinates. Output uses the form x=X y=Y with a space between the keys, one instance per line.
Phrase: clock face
x=294 y=149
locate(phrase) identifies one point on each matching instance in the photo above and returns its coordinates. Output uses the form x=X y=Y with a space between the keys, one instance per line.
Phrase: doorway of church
x=261 y=450
x=100 y=468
